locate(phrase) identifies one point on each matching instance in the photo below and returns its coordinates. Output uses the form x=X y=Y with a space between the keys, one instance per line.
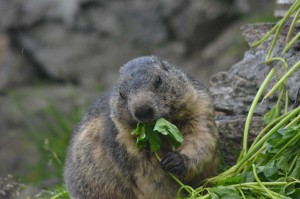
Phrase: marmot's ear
x=160 y=62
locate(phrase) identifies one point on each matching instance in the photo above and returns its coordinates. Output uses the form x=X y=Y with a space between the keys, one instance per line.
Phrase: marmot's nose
x=144 y=113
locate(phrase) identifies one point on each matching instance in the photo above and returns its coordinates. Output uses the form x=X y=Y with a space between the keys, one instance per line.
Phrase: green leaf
x=272 y=114
x=214 y=196
x=140 y=132
x=236 y=179
x=149 y=135
x=226 y=192
x=154 y=140
x=270 y=172
x=283 y=163
x=141 y=143
x=249 y=177
x=170 y=130
x=140 y=129
x=296 y=194
x=290 y=189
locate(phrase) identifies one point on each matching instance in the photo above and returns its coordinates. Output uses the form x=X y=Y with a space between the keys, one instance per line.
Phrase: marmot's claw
x=175 y=163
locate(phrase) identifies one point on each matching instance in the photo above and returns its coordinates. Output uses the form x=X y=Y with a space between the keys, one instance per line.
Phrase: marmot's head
x=148 y=88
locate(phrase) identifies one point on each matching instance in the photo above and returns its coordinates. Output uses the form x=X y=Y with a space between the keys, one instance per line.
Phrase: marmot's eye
x=157 y=82
x=122 y=95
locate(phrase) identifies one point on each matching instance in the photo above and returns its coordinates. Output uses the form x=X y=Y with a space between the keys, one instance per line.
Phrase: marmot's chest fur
x=103 y=161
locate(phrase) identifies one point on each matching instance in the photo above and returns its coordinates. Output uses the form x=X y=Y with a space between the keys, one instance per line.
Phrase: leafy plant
x=150 y=135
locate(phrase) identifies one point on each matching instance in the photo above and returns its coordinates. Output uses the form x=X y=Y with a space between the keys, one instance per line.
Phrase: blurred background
x=56 y=56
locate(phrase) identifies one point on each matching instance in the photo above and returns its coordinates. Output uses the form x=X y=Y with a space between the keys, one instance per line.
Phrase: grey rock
x=102 y=19
x=226 y=50
x=169 y=8
x=232 y=94
x=195 y=19
x=101 y=35
x=219 y=55
x=15 y=70
x=255 y=6
x=139 y=24
x=231 y=130
x=18 y=13
x=77 y=56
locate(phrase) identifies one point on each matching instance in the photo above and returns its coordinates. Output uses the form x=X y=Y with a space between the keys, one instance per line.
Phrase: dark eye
x=157 y=82
x=122 y=95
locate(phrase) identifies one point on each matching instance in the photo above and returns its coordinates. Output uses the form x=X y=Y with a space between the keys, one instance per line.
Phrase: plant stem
x=295 y=121
x=264 y=183
x=266 y=36
x=286 y=107
x=241 y=192
x=252 y=108
x=254 y=157
x=291 y=43
x=283 y=79
x=204 y=197
x=292 y=26
x=58 y=195
x=268 y=61
x=268 y=127
x=281 y=22
x=260 y=184
x=293 y=164
x=292 y=9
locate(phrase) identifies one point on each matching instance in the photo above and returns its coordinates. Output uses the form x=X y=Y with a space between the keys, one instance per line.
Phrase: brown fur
x=103 y=161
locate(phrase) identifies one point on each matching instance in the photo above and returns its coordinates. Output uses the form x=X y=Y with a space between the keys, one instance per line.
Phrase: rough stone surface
x=199 y=17
x=76 y=56
x=18 y=13
x=231 y=130
x=14 y=69
x=250 y=6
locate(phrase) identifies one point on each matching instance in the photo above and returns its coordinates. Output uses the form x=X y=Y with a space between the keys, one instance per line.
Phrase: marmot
x=103 y=161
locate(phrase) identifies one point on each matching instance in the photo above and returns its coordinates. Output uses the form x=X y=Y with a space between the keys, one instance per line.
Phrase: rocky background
x=63 y=53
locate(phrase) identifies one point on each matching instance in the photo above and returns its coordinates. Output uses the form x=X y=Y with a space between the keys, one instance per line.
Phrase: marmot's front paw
x=175 y=163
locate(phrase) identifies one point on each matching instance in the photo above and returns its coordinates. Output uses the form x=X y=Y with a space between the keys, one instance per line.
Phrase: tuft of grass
x=50 y=133
x=51 y=137
x=58 y=192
